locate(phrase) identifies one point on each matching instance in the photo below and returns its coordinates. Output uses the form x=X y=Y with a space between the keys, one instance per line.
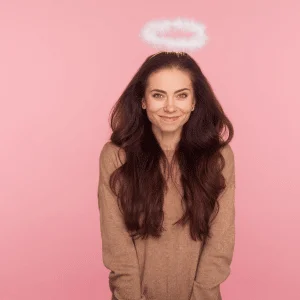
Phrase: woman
x=167 y=185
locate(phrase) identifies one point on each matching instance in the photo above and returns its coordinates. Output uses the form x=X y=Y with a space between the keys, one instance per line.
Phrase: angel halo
x=149 y=34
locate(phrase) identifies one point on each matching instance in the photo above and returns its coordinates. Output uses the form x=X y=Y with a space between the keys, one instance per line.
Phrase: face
x=169 y=93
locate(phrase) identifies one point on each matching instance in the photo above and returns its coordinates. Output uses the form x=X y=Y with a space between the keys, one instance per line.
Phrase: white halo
x=151 y=29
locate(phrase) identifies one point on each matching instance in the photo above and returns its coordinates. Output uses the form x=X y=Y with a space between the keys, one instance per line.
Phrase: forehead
x=169 y=79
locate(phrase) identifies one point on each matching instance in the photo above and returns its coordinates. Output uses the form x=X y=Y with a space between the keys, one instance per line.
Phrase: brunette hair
x=142 y=184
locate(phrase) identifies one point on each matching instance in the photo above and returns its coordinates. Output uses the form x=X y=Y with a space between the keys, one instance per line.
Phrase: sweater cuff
x=200 y=293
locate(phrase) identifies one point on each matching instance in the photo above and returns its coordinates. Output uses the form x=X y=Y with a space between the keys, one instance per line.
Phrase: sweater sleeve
x=217 y=254
x=118 y=250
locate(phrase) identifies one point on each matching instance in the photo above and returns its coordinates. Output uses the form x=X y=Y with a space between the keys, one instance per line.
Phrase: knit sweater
x=173 y=266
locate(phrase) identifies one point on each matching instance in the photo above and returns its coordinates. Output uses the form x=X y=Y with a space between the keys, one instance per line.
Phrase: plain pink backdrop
x=63 y=64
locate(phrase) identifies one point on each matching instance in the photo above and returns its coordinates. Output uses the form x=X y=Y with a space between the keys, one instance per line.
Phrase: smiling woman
x=168 y=106
x=167 y=237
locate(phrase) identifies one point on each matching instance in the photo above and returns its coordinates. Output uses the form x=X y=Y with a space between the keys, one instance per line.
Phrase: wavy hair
x=198 y=154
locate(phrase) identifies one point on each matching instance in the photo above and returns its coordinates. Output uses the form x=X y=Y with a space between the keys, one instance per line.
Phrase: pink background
x=63 y=64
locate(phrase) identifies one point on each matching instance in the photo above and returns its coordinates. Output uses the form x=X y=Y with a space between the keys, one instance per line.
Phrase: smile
x=169 y=120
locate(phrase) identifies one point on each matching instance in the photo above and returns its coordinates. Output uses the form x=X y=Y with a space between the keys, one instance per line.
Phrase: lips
x=169 y=119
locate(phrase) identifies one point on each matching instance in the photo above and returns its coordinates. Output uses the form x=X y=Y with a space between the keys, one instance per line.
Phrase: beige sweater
x=173 y=267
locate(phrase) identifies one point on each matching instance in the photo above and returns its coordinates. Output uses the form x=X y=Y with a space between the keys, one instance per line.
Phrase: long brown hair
x=142 y=184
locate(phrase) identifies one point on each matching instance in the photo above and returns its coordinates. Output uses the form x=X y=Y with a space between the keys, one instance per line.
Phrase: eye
x=185 y=95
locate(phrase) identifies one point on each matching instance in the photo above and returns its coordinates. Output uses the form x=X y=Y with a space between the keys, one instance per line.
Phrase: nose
x=169 y=106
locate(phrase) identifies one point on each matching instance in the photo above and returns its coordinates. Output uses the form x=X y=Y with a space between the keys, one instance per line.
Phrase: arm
x=118 y=251
x=216 y=256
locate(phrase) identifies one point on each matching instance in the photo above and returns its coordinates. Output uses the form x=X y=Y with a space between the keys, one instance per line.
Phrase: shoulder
x=112 y=154
x=228 y=154
x=229 y=167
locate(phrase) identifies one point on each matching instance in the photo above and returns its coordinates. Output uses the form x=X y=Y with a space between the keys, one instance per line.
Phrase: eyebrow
x=164 y=92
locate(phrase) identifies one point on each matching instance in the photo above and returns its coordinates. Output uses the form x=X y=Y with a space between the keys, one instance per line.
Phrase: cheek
x=152 y=107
